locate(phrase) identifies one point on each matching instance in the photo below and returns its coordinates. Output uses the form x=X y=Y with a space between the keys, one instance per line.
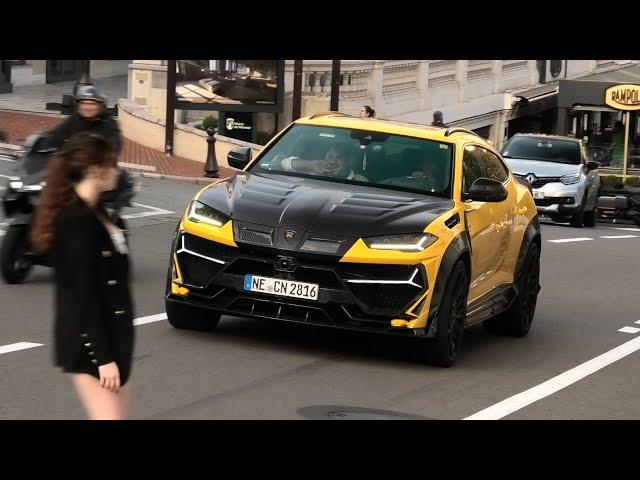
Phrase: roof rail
x=449 y=131
x=324 y=114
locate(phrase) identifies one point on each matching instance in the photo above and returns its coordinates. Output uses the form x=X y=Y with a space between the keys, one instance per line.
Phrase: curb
x=159 y=176
x=162 y=176
x=32 y=112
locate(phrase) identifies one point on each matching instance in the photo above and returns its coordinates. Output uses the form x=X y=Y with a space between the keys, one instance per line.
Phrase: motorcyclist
x=90 y=116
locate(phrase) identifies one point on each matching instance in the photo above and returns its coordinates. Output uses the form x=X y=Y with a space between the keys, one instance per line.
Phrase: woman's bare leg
x=100 y=403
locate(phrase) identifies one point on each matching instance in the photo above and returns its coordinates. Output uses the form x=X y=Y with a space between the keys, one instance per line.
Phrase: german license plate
x=277 y=286
x=538 y=194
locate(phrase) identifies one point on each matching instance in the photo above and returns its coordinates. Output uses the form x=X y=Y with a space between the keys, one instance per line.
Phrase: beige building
x=40 y=72
x=496 y=98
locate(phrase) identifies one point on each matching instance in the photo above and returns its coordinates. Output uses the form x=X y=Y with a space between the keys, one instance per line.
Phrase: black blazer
x=93 y=301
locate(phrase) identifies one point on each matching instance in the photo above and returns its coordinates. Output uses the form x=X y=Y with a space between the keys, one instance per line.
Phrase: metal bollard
x=211 y=165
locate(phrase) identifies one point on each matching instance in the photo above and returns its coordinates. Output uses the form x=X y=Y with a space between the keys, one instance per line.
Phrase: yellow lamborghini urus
x=362 y=224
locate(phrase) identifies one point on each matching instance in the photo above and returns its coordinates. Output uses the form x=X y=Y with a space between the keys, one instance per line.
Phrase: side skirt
x=491 y=304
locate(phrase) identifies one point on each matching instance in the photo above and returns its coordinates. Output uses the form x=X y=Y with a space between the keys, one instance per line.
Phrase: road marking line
x=14 y=347
x=557 y=383
x=150 y=319
x=7 y=159
x=149 y=168
x=154 y=211
x=637 y=322
x=2 y=233
x=5 y=176
x=619 y=236
x=567 y=240
x=629 y=229
x=629 y=330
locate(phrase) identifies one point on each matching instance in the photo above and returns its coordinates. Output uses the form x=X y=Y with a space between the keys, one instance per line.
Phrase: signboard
x=238 y=125
x=230 y=85
x=623 y=97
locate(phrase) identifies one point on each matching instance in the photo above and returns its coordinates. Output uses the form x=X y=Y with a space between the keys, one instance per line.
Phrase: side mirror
x=239 y=157
x=592 y=165
x=487 y=190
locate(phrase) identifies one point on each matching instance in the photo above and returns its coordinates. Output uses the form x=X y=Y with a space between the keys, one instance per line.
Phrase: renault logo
x=289 y=234
x=531 y=178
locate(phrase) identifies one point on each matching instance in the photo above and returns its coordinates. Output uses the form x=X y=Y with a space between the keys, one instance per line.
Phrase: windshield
x=343 y=155
x=548 y=150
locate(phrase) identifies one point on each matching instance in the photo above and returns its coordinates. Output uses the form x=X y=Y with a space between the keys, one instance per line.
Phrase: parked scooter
x=21 y=198
x=620 y=207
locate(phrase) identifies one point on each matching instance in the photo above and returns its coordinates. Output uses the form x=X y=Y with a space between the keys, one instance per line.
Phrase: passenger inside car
x=418 y=168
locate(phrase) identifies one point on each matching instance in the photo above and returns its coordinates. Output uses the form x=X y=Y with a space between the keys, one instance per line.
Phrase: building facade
x=495 y=98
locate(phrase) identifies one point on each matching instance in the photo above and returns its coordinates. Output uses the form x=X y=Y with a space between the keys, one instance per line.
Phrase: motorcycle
x=620 y=207
x=21 y=198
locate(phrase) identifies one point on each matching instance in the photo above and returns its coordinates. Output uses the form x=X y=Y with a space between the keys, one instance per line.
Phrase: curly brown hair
x=66 y=169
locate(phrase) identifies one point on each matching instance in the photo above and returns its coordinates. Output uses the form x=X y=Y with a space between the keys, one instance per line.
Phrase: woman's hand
x=110 y=376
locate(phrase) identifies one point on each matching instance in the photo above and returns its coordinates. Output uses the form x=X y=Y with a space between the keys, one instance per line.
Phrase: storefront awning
x=533 y=101
x=538 y=93
x=590 y=89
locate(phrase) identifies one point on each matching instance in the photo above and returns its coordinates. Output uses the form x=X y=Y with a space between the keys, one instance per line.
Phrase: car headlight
x=201 y=213
x=15 y=183
x=18 y=185
x=411 y=242
x=569 y=179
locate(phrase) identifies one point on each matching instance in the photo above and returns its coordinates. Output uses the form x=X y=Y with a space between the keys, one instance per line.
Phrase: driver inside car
x=335 y=164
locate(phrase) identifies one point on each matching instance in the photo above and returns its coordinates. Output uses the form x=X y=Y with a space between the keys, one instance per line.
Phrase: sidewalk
x=33 y=98
x=134 y=157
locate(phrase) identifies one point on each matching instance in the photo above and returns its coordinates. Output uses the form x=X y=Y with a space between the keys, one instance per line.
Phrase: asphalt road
x=250 y=369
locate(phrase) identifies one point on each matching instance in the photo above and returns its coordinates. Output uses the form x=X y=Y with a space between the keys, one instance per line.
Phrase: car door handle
x=499 y=226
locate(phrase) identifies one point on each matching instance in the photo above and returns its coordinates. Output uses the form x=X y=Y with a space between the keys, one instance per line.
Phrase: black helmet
x=90 y=92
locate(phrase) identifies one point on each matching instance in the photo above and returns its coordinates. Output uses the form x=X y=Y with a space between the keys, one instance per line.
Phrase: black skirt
x=86 y=363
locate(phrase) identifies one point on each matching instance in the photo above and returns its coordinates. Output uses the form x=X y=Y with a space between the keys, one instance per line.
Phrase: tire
x=444 y=348
x=14 y=265
x=186 y=317
x=516 y=321
x=590 y=218
x=578 y=219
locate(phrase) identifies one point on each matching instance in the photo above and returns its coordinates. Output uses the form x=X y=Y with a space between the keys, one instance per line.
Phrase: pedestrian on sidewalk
x=90 y=116
x=93 y=329
x=438 y=120
x=367 y=112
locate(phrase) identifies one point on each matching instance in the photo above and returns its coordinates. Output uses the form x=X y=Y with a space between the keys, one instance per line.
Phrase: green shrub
x=210 y=121
x=609 y=180
x=632 y=182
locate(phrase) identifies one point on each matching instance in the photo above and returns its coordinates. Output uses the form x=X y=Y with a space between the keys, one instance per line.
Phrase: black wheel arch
x=531 y=235
x=458 y=249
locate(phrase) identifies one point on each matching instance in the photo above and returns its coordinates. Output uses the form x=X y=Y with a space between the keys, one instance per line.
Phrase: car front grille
x=374 y=289
x=256 y=238
x=541 y=182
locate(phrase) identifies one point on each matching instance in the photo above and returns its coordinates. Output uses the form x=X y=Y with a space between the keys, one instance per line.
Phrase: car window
x=493 y=166
x=478 y=162
x=472 y=166
x=545 y=149
x=345 y=155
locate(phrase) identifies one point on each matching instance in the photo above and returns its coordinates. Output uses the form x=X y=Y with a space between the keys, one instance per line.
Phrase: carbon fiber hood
x=324 y=208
